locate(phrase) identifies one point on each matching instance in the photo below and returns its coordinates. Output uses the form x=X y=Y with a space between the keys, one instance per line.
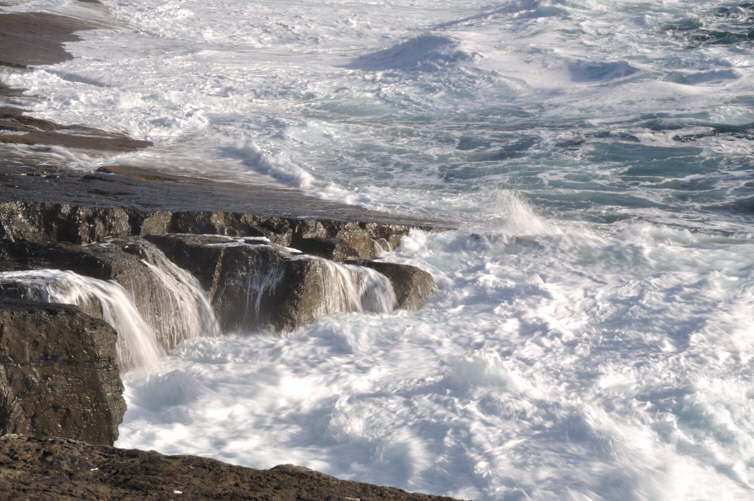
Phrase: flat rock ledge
x=365 y=238
x=65 y=469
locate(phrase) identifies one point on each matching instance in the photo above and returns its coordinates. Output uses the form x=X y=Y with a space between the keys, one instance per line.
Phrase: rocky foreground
x=265 y=259
x=64 y=469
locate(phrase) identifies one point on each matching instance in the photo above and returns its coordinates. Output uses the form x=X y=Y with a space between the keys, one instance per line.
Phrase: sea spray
x=514 y=215
x=137 y=344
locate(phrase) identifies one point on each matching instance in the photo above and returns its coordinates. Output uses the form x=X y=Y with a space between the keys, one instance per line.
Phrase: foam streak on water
x=591 y=335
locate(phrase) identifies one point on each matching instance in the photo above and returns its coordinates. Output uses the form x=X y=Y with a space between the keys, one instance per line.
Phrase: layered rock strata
x=365 y=238
x=254 y=284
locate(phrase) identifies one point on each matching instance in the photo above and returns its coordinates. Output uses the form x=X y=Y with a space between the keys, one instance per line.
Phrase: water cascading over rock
x=168 y=301
x=255 y=285
x=137 y=344
x=262 y=287
x=178 y=309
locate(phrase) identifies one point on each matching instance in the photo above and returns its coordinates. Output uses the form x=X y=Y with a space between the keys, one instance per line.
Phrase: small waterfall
x=352 y=288
x=179 y=310
x=259 y=285
x=273 y=288
x=137 y=344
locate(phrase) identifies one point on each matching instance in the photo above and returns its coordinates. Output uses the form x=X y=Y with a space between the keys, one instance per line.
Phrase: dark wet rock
x=58 y=374
x=119 y=260
x=60 y=469
x=329 y=248
x=256 y=285
x=63 y=222
x=367 y=240
x=413 y=287
x=201 y=255
x=31 y=131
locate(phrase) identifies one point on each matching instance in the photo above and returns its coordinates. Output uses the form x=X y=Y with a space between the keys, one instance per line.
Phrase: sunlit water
x=592 y=333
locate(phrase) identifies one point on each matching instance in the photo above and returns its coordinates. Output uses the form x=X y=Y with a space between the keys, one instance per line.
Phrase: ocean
x=592 y=332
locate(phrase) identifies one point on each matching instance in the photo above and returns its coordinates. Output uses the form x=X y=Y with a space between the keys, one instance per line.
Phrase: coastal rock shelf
x=154 y=289
x=233 y=270
x=64 y=222
x=105 y=271
x=32 y=469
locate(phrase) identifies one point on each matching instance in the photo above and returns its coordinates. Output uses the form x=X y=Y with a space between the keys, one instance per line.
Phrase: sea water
x=592 y=332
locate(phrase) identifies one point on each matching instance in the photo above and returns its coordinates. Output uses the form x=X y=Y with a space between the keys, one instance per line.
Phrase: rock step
x=413 y=286
x=255 y=285
x=251 y=283
x=169 y=299
x=58 y=374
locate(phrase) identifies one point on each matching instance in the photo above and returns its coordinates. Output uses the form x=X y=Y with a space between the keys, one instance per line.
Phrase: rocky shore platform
x=65 y=469
x=264 y=259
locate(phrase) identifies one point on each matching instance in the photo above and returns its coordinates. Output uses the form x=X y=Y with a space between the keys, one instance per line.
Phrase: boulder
x=413 y=286
x=58 y=374
x=59 y=469
x=254 y=284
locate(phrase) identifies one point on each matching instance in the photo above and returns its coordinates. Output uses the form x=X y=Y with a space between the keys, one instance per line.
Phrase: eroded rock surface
x=254 y=284
x=60 y=470
x=58 y=374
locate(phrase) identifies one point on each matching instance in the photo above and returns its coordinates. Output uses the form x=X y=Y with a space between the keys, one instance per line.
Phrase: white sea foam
x=585 y=363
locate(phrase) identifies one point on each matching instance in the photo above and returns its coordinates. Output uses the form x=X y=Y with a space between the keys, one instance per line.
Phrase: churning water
x=592 y=333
